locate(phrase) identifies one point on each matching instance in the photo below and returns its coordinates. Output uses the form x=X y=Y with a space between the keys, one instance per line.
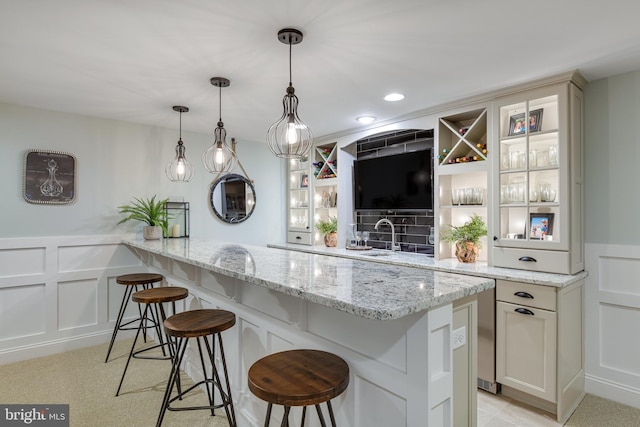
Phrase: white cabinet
x=539 y=351
x=298 y=202
x=462 y=170
x=538 y=216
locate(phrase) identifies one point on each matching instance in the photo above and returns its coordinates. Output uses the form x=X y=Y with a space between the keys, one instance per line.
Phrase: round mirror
x=232 y=198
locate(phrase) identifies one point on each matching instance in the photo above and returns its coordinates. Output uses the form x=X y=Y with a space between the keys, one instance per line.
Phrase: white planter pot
x=152 y=232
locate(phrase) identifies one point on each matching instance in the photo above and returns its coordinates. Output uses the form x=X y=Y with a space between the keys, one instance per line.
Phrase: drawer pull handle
x=298 y=238
x=527 y=258
x=523 y=295
x=524 y=311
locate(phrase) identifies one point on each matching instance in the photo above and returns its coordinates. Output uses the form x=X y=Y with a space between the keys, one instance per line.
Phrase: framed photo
x=49 y=177
x=304 y=180
x=541 y=225
x=535 y=120
x=518 y=124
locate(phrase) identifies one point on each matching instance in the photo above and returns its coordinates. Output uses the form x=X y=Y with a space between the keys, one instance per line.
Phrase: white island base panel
x=400 y=370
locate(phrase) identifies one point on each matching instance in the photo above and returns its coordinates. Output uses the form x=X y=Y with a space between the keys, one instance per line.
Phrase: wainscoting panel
x=612 y=318
x=22 y=312
x=22 y=262
x=59 y=293
x=77 y=304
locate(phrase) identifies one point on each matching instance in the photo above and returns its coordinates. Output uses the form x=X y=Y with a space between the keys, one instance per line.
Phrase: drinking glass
x=365 y=237
x=553 y=155
x=432 y=237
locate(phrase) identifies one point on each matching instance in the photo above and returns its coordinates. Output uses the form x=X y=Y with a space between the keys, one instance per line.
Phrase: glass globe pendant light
x=289 y=137
x=219 y=157
x=180 y=169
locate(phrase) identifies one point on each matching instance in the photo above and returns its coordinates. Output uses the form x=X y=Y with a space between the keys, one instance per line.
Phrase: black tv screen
x=396 y=182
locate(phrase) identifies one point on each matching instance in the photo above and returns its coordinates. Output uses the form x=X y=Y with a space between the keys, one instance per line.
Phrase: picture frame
x=540 y=225
x=304 y=180
x=535 y=120
x=518 y=124
x=49 y=177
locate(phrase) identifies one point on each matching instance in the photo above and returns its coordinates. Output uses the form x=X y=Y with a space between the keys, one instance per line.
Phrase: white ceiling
x=133 y=60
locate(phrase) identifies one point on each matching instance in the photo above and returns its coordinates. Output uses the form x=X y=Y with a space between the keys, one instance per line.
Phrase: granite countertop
x=363 y=288
x=480 y=269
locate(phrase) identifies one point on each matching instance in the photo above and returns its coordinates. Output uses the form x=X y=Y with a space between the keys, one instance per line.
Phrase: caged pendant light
x=179 y=169
x=289 y=137
x=219 y=158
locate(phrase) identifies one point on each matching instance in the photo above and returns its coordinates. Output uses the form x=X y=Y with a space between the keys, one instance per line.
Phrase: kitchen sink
x=377 y=254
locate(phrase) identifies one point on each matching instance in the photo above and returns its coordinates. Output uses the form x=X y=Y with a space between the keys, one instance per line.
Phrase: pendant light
x=179 y=169
x=289 y=137
x=219 y=158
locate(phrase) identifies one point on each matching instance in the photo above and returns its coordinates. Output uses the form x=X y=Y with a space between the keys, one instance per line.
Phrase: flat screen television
x=395 y=182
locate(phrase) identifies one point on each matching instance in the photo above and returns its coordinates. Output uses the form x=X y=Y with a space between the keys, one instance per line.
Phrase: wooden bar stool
x=299 y=378
x=136 y=281
x=200 y=324
x=153 y=299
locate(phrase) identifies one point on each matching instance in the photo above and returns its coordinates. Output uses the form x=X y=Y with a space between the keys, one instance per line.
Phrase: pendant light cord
x=220 y=101
x=290 y=79
x=180 y=124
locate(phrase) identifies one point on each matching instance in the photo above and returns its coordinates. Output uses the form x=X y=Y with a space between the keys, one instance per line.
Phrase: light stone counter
x=480 y=269
x=372 y=290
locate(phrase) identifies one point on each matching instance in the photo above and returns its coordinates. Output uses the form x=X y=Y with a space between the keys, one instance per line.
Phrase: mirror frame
x=223 y=178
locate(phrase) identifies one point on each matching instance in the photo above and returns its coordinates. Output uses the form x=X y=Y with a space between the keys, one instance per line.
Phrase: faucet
x=394 y=246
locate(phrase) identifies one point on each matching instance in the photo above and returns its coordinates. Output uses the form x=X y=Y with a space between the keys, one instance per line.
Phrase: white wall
x=612 y=213
x=58 y=263
x=116 y=161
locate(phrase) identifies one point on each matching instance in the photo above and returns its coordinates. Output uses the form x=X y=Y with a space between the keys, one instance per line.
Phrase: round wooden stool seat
x=158 y=295
x=299 y=377
x=139 y=278
x=198 y=323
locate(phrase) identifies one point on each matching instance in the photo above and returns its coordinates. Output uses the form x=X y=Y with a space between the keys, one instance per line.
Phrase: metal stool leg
x=133 y=346
x=123 y=307
x=267 y=418
x=175 y=372
x=285 y=417
x=333 y=418
x=320 y=416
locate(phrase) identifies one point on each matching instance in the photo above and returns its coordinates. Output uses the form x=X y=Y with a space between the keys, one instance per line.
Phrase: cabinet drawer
x=548 y=261
x=526 y=294
x=299 y=237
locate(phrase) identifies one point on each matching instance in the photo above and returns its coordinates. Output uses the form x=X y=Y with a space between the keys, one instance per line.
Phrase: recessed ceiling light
x=365 y=119
x=392 y=97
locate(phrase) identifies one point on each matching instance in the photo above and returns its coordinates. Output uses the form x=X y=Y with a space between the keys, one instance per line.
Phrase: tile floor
x=501 y=411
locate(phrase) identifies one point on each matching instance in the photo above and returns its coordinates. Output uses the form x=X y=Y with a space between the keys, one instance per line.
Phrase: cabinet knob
x=524 y=311
x=495 y=238
x=523 y=295
x=527 y=259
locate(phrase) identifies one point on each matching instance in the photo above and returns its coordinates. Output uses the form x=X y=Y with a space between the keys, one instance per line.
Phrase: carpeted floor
x=81 y=379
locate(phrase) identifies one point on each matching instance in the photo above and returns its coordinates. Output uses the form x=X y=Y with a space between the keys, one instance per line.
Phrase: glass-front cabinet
x=538 y=186
x=298 y=202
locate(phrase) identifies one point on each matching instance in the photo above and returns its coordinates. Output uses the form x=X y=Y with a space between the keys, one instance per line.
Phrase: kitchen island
x=392 y=324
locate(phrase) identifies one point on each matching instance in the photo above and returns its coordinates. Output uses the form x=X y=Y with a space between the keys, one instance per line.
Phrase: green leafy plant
x=470 y=231
x=146 y=210
x=326 y=227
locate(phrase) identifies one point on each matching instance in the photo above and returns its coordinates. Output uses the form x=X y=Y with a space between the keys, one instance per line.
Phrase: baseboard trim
x=613 y=391
x=48 y=348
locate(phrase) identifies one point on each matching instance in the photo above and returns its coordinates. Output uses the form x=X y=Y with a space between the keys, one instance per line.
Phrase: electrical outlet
x=459 y=337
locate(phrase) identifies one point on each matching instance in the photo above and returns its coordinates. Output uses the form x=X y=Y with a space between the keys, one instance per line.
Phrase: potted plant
x=329 y=229
x=466 y=238
x=151 y=213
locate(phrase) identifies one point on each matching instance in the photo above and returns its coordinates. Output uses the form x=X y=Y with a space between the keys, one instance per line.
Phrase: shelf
x=463 y=138
x=325 y=162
